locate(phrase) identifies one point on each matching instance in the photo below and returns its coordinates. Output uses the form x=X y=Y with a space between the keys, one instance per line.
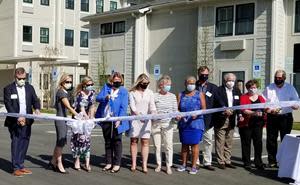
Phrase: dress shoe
x=26 y=171
x=18 y=173
x=230 y=166
x=248 y=167
x=222 y=166
x=209 y=167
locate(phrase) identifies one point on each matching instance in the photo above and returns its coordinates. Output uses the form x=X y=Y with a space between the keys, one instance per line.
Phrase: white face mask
x=230 y=84
x=253 y=90
x=20 y=83
x=67 y=86
x=190 y=87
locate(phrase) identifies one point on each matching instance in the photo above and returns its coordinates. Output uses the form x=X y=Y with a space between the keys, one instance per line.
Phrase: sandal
x=115 y=169
x=107 y=167
x=87 y=168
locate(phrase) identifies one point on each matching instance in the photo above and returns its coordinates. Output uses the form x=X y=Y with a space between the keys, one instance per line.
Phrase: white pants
x=208 y=146
x=162 y=133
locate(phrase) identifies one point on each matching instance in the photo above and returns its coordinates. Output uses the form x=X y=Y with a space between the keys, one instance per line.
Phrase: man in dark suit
x=210 y=91
x=224 y=122
x=20 y=97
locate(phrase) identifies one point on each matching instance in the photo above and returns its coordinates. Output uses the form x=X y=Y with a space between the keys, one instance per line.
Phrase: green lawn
x=49 y=111
x=296 y=126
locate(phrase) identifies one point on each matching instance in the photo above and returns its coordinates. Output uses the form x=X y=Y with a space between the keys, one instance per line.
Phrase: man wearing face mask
x=20 y=97
x=279 y=120
x=209 y=90
x=224 y=122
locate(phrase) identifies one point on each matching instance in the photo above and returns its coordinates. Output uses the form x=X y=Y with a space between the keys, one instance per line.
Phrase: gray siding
x=129 y=52
x=7 y=28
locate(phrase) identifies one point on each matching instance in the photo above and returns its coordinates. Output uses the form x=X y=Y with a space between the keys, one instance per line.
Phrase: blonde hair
x=116 y=74
x=84 y=81
x=140 y=78
x=62 y=80
x=163 y=79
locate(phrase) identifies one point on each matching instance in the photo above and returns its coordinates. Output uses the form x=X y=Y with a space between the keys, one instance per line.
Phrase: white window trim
x=28 y=4
x=294 y=20
x=233 y=36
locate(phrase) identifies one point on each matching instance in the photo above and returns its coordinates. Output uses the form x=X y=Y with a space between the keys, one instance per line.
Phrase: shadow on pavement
x=5 y=165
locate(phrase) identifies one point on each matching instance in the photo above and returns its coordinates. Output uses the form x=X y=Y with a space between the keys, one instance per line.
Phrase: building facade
x=251 y=38
x=47 y=38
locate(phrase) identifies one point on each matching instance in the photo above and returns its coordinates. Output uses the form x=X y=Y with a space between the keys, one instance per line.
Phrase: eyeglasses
x=68 y=82
x=21 y=78
x=89 y=85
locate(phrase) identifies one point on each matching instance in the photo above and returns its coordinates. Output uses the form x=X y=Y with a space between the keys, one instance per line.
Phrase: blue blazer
x=118 y=105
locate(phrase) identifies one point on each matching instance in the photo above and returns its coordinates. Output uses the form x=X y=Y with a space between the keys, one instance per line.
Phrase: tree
x=102 y=67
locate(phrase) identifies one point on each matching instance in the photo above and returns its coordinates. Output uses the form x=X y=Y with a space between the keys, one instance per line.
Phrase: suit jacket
x=219 y=118
x=12 y=104
x=210 y=97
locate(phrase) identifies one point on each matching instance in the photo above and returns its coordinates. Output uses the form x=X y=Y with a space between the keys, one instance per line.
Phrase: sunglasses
x=89 y=85
x=21 y=78
x=68 y=82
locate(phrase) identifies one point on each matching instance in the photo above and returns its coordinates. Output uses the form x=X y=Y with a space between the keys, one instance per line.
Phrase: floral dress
x=81 y=143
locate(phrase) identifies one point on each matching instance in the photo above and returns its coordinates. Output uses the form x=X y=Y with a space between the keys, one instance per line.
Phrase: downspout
x=273 y=40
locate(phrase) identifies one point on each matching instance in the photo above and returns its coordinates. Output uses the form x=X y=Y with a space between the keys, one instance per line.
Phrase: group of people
x=114 y=100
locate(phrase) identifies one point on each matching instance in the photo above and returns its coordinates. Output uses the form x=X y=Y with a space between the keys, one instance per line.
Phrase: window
x=69 y=37
x=119 y=27
x=44 y=35
x=27 y=1
x=70 y=4
x=244 y=23
x=297 y=17
x=224 y=21
x=85 y=5
x=27 y=33
x=99 y=6
x=106 y=29
x=45 y=2
x=84 y=39
x=113 y=5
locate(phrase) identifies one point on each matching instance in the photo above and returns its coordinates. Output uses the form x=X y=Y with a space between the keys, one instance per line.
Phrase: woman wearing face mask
x=62 y=104
x=84 y=104
x=165 y=102
x=251 y=125
x=141 y=103
x=190 y=128
x=113 y=99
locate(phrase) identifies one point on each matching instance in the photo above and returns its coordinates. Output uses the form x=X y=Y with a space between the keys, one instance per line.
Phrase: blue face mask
x=89 y=88
x=190 y=87
x=167 y=88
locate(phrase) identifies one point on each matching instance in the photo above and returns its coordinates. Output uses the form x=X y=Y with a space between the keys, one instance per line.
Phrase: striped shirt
x=165 y=104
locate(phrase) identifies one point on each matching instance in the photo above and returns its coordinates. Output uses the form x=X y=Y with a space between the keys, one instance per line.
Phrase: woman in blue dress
x=113 y=99
x=190 y=128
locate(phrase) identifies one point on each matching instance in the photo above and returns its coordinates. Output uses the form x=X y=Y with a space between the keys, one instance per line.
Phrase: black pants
x=113 y=144
x=253 y=132
x=20 y=137
x=282 y=123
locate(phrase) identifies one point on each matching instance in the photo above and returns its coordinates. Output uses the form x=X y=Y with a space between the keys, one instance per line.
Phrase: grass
x=296 y=126
x=48 y=111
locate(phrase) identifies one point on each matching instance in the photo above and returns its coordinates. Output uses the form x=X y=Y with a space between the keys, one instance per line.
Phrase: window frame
x=111 y=28
x=114 y=27
x=87 y=39
x=99 y=3
x=295 y=17
x=23 y=33
x=66 y=41
x=68 y=5
x=217 y=21
x=27 y=1
x=250 y=19
x=45 y=4
x=111 y=3
x=86 y=2
x=44 y=36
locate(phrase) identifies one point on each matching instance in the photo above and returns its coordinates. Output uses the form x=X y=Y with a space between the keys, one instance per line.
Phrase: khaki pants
x=223 y=139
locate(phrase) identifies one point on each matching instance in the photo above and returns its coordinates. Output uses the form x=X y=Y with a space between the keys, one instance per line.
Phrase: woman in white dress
x=141 y=102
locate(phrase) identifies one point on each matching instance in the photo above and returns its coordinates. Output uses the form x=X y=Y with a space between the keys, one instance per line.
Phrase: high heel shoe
x=132 y=170
x=107 y=167
x=115 y=169
x=59 y=171
x=145 y=171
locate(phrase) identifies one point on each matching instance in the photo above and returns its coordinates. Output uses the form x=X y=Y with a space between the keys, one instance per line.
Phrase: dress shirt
x=229 y=96
x=22 y=99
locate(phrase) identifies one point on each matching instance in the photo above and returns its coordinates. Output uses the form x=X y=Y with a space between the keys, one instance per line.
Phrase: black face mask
x=143 y=86
x=117 y=84
x=278 y=82
x=203 y=77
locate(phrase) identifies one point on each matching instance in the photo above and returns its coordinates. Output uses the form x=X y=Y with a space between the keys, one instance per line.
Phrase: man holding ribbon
x=279 y=120
x=20 y=97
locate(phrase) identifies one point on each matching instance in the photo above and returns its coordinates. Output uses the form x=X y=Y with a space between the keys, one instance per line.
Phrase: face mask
x=190 y=87
x=230 y=84
x=20 y=83
x=68 y=86
x=117 y=84
x=253 y=91
x=89 y=88
x=203 y=77
x=278 y=82
x=167 y=88
x=143 y=86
